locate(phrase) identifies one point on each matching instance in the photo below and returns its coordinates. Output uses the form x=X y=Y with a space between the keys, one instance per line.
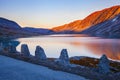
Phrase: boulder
x=64 y=58
x=103 y=66
x=64 y=55
x=25 y=50
x=40 y=54
x=12 y=49
x=10 y=46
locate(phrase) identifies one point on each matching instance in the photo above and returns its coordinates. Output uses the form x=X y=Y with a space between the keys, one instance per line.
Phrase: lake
x=77 y=45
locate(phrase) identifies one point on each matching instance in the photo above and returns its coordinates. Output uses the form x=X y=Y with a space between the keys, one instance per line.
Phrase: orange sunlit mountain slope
x=91 y=20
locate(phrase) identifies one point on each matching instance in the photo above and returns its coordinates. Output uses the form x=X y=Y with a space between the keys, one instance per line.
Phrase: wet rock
x=40 y=54
x=103 y=66
x=25 y=50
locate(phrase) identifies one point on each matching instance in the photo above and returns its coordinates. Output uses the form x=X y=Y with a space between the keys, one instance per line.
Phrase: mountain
x=5 y=23
x=91 y=20
x=38 y=30
x=67 y=27
x=103 y=23
x=11 y=29
x=109 y=28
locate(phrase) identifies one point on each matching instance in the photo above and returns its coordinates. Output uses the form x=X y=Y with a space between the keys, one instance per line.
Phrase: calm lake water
x=77 y=45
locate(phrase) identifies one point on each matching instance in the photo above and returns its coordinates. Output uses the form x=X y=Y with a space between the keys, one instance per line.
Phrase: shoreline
x=12 y=69
x=81 y=70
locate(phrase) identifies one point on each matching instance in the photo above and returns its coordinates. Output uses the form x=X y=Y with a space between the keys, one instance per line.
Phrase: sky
x=50 y=13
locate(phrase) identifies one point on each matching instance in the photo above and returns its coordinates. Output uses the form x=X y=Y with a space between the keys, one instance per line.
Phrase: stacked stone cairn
x=63 y=58
x=25 y=50
x=103 y=66
x=40 y=53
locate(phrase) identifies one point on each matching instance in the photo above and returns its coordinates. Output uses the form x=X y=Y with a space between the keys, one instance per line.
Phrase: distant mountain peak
x=8 y=23
x=91 y=20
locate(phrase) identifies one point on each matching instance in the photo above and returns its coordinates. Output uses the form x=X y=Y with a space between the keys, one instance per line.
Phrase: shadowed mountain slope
x=109 y=28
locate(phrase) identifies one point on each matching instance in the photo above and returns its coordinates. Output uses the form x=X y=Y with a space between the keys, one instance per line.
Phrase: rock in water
x=25 y=50
x=40 y=54
x=103 y=66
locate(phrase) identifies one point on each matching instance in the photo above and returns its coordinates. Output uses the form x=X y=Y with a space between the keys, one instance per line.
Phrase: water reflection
x=112 y=50
x=77 y=46
x=102 y=46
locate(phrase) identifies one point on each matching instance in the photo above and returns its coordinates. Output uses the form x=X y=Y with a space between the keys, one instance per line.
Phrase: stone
x=10 y=46
x=64 y=58
x=103 y=66
x=25 y=50
x=12 y=49
x=64 y=55
x=40 y=54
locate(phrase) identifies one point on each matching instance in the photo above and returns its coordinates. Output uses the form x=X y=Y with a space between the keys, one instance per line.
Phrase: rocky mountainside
x=11 y=29
x=104 y=23
x=91 y=20
x=38 y=30
x=5 y=23
x=67 y=27
x=14 y=33
x=109 y=28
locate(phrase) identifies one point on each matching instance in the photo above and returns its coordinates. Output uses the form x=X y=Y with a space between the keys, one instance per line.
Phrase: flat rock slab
x=12 y=69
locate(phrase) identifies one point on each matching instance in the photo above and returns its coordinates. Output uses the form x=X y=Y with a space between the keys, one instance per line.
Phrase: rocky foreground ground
x=12 y=69
x=80 y=70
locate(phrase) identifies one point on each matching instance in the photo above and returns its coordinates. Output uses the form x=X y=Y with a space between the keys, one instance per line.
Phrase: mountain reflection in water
x=111 y=49
x=76 y=45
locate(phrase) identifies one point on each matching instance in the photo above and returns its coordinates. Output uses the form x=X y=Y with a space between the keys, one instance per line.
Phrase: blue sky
x=50 y=13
